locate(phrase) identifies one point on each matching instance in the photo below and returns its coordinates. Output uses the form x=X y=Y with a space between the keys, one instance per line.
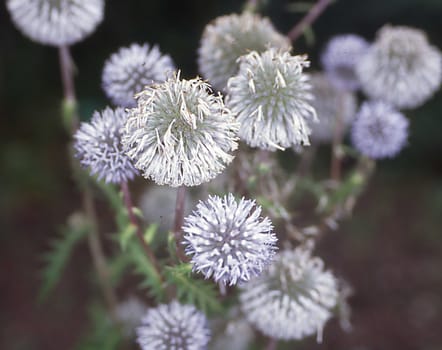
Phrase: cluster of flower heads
x=293 y=298
x=130 y=69
x=229 y=240
x=401 y=67
x=230 y=37
x=379 y=131
x=98 y=146
x=56 y=22
x=335 y=108
x=173 y=327
x=271 y=96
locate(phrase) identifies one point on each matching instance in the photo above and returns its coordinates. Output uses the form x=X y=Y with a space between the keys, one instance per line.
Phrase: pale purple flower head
x=98 y=147
x=229 y=240
x=339 y=60
x=129 y=70
x=56 y=22
x=173 y=327
x=379 y=130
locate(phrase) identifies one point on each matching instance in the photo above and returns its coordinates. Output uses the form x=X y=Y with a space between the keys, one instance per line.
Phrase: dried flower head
x=127 y=71
x=180 y=133
x=229 y=37
x=334 y=107
x=379 y=131
x=173 y=327
x=98 y=147
x=229 y=240
x=56 y=22
x=401 y=67
x=340 y=57
x=293 y=298
x=270 y=96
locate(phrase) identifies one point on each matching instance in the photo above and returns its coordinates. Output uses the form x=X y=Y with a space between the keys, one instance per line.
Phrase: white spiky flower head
x=334 y=107
x=401 y=67
x=379 y=130
x=340 y=57
x=98 y=147
x=56 y=22
x=271 y=96
x=129 y=70
x=227 y=38
x=173 y=327
x=180 y=133
x=293 y=299
x=229 y=240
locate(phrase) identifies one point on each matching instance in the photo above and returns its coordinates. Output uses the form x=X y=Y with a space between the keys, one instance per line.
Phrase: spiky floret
x=379 y=131
x=127 y=71
x=229 y=240
x=271 y=96
x=293 y=298
x=401 y=67
x=335 y=108
x=173 y=327
x=339 y=60
x=180 y=133
x=56 y=22
x=227 y=38
x=98 y=147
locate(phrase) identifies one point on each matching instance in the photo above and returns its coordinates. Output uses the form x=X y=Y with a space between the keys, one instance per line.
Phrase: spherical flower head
x=339 y=60
x=229 y=37
x=129 y=314
x=130 y=69
x=173 y=327
x=335 y=108
x=56 y=22
x=98 y=147
x=180 y=133
x=379 y=131
x=229 y=240
x=293 y=298
x=271 y=96
x=401 y=67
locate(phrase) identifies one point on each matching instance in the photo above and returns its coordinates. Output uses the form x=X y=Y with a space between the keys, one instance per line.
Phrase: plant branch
x=336 y=152
x=179 y=220
x=308 y=19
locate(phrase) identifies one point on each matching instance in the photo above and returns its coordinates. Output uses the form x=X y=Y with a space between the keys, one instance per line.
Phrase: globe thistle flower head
x=56 y=22
x=293 y=298
x=229 y=37
x=228 y=240
x=339 y=60
x=271 y=96
x=129 y=314
x=333 y=106
x=401 y=67
x=180 y=133
x=98 y=147
x=173 y=327
x=379 y=131
x=127 y=71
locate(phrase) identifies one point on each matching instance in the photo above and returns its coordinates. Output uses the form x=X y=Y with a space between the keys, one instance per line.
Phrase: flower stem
x=338 y=134
x=272 y=344
x=179 y=220
x=308 y=19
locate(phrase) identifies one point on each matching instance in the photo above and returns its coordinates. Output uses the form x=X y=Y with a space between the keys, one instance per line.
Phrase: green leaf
x=125 y=236
x=57 y=258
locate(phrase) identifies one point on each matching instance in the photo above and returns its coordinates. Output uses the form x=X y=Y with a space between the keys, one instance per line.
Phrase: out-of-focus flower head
x=229 y=37
x=130 y=69
x=229 y=240
x=98 y=147
x=339 y=60
x=334 y=107
x=180 y=133
x=173 y=327
x=293 y=299
x=401 y=67
x=379 y=130
x=56 y=22
x=271 y=96
x=129 y=314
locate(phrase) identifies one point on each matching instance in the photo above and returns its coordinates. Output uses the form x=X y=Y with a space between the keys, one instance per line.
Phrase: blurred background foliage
x=391 y=250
